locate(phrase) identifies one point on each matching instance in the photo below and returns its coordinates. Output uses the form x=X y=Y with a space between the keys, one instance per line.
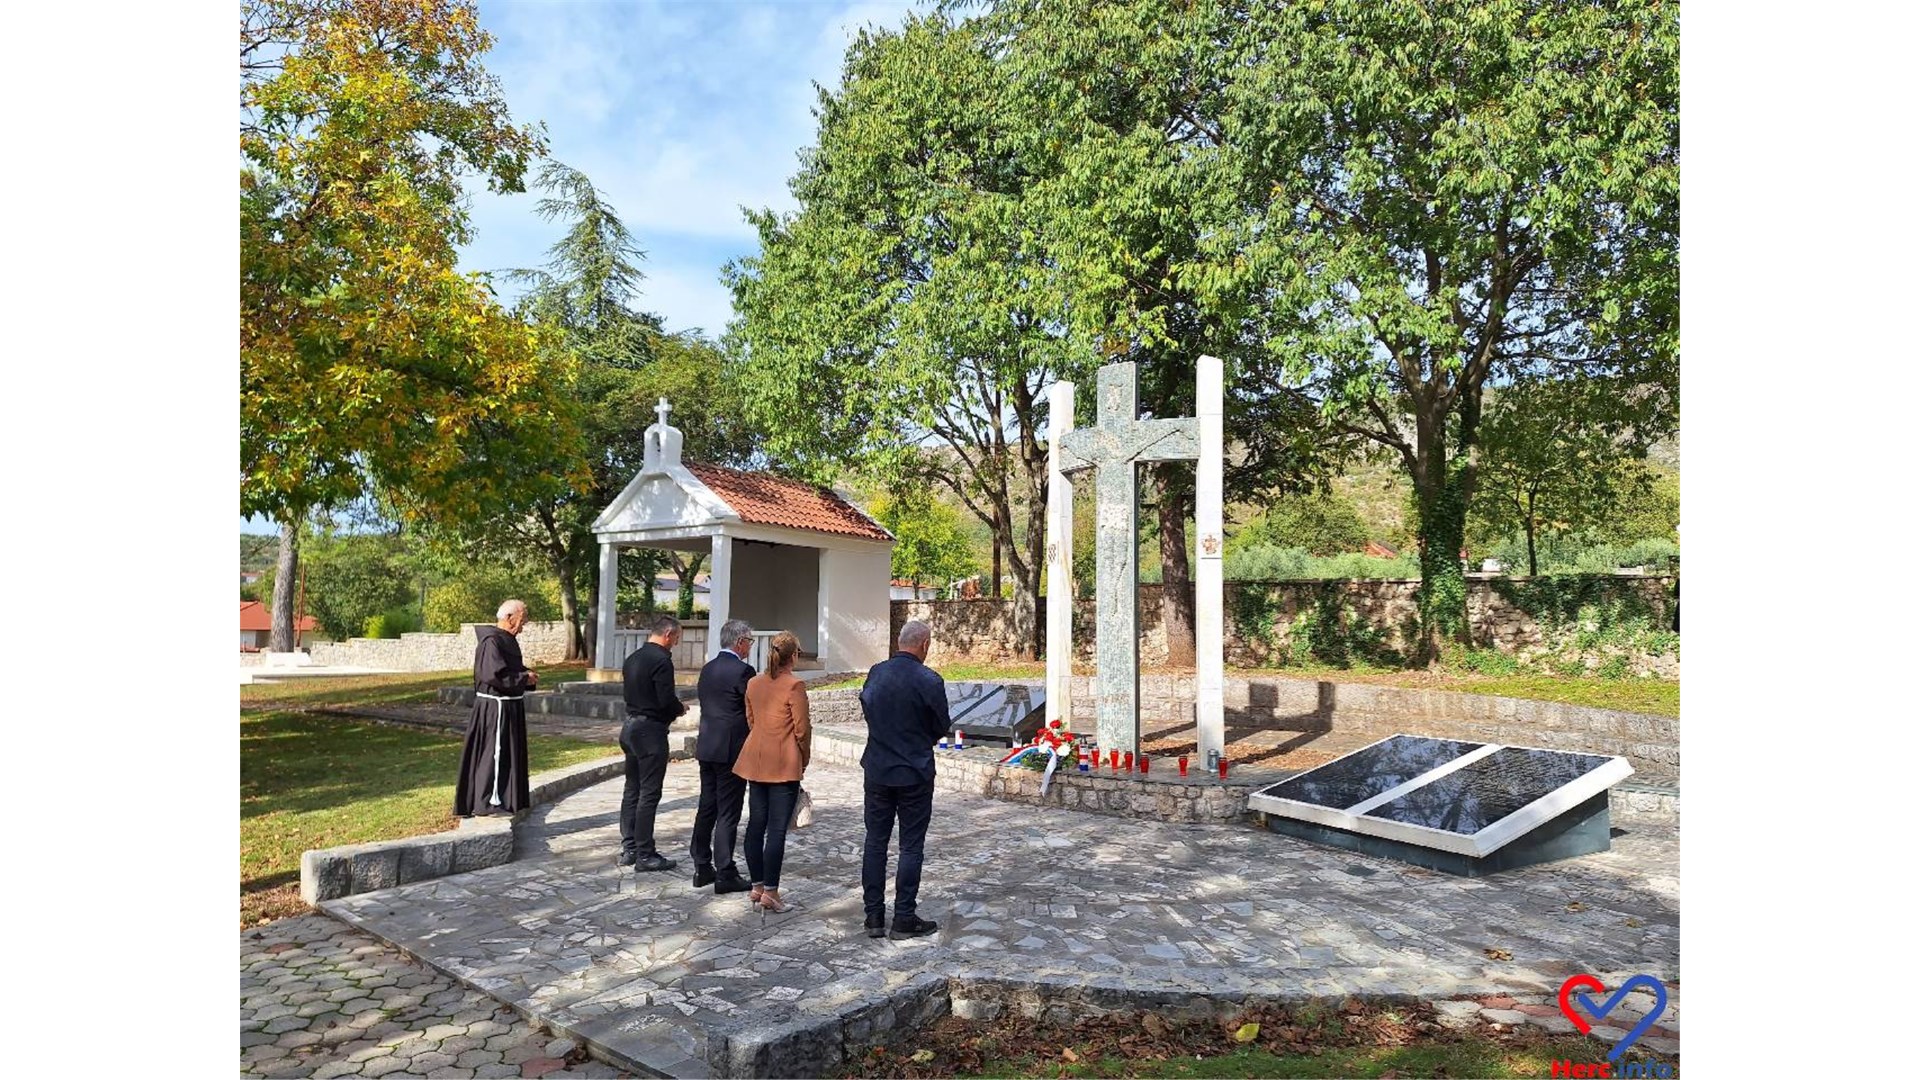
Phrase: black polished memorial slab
x=1482 y=792
x=1359 y=776
x=964 y=697
x=1009 y=718
x=1582 y=830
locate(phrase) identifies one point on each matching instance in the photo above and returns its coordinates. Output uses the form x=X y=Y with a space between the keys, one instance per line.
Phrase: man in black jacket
x=723 y=729
x=905 y=704
x=652 y=705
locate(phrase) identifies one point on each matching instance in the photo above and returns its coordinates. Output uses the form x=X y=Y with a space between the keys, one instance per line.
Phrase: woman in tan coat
x=779 y=745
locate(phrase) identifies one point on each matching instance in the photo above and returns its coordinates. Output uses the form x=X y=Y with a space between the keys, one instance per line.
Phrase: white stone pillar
x=719 y=592
x=1059 y=559
x=1209 y=611
x=608 y=618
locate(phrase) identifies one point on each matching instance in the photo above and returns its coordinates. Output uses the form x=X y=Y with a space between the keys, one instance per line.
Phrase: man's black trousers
x=645 y=744
x=716 y=824
x=913 y=806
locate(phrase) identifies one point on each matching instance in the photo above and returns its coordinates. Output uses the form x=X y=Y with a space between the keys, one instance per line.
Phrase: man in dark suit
x=723 y=729
x=905 y=704
x=652 y=705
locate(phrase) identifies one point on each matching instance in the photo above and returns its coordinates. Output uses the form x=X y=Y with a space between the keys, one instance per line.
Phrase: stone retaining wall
x=479 y=842
x=977 y=772
x=1651 y=744
x=1530 y=618
x=540 y=643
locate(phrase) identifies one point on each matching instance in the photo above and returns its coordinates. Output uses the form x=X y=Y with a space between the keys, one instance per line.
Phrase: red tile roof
x=765 y=499
x=254 y=616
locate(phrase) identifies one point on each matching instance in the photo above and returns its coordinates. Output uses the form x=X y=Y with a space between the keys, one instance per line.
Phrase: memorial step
x=560 y=702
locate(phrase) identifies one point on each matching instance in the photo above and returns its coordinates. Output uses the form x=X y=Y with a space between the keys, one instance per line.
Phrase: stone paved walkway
x=320 y=999
x=656 y=971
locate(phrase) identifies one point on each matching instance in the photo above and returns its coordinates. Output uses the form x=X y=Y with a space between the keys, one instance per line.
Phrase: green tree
x=585 y=297
x=907 y=306
x=1318 y=523
x=1450 y=195
x=364 y=353
x=476 y=593
x=929 y=543
x=352 y=579
x=1556 y=459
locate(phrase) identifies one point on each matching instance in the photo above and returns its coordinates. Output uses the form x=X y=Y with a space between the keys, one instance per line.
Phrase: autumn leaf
x=921 y=1057
x=1154 y=1024
x=1069 y=1054
x=1247 y=1033
x=1576 y=906
x=1498 y=954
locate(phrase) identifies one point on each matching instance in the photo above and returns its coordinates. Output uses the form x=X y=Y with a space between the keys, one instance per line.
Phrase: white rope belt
x=499 y=722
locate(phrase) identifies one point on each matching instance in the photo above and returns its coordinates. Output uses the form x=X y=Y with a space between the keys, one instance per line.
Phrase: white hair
x=508 y=607
x=915 y=634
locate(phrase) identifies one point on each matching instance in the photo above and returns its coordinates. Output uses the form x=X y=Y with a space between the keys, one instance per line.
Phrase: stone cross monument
x=1118 y=442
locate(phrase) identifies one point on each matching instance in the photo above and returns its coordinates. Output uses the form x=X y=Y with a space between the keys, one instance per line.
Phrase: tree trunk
x=563 y=568
x=685 y=570
x=1000 y=527
x=282 y=638
x=1176 y=578
x=1533 y=561
x=1443 y=526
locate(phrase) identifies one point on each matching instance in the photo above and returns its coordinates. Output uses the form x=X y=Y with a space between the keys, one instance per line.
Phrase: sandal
x=770 y=901
x=753 y=897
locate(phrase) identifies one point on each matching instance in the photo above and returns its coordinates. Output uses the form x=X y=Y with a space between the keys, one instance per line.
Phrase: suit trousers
x=716 y=824
x=913 y=806
x=644 y=742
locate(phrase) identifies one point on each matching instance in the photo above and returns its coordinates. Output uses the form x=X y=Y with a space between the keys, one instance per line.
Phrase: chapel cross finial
x=663 y=409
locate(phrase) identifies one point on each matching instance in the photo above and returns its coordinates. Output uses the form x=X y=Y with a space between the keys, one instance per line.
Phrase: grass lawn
x=1660 y=697
x=313 y=780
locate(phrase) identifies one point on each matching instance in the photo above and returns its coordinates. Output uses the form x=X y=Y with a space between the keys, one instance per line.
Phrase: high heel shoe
x=770 y=901
x=753 y=897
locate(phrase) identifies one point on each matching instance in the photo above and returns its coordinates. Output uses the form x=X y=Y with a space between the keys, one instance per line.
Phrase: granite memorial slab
x=1465 y=808
x=996 y=713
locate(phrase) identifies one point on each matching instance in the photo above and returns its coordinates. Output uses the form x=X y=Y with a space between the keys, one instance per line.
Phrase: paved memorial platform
x=671 y=980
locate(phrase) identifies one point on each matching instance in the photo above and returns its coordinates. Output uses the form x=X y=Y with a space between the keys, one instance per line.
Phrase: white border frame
x=1496 y=835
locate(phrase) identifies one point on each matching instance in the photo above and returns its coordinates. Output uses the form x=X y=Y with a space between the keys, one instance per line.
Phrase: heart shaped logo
x=1601 y=1009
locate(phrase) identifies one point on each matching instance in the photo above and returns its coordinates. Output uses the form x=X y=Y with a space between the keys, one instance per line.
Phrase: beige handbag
x=803 y=810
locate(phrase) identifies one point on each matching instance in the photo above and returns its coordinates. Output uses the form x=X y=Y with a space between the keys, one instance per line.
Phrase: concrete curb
x=330 y=873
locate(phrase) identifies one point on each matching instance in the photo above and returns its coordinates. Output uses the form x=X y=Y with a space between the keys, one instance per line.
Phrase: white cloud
x=681 y=114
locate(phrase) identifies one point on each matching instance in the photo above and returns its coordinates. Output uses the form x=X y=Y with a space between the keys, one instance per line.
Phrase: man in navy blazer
x=905 y=704
x=723 y=730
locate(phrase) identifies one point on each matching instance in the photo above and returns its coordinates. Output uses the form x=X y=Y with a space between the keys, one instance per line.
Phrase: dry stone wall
x=540 y=643
x=1541 y=622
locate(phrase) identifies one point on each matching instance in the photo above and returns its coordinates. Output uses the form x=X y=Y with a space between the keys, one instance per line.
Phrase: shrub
x=474 y=596
x=392 y=623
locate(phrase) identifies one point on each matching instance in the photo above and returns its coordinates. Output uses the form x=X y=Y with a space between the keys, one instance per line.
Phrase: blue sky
x=681 y=113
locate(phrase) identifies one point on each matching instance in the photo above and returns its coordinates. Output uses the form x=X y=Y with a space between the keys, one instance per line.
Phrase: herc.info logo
x=1612 y=1067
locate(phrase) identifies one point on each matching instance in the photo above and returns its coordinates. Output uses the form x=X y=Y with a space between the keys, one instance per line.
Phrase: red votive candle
x=1143 y=764
x=1113 y=760
x=1183 y=764
x=1223 y=767
x=1128 y=760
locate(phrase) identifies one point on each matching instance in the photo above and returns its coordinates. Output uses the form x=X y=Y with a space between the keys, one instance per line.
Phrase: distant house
x=666 y=592
x=904 y=590
x=251 y=577
x=1378 y=550
x=256 y=627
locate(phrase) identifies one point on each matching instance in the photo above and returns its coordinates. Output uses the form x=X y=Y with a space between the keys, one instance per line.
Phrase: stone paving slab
x=666 y=977
x=321 y=999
